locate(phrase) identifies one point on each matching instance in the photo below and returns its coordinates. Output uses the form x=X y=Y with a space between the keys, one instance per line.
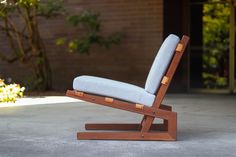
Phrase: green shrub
x=9 y=93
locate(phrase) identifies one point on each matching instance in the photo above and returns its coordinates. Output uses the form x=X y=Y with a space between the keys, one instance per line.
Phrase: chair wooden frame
x=146 y=130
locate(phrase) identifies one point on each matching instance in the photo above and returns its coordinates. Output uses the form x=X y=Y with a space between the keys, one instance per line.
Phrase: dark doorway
x=209 y=33
x=196 y=13
x=176 y=15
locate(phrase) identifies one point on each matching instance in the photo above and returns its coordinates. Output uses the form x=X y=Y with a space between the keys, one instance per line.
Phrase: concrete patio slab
x=206 y=127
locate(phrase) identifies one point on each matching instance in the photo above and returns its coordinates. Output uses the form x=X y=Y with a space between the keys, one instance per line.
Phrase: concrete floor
x=206 y=127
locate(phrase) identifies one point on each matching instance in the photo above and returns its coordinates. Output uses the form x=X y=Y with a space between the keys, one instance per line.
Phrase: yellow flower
x=10 y=93
x=2 y=82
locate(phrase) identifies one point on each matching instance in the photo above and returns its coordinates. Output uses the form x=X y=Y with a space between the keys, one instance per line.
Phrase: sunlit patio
x=34 y=100
x=47 y=126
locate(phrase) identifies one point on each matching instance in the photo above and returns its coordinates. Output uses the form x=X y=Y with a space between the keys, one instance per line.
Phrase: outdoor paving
x=206 y=127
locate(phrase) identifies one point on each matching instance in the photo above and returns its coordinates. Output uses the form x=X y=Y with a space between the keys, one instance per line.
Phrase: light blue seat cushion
x=114 y=89
x=161 y=63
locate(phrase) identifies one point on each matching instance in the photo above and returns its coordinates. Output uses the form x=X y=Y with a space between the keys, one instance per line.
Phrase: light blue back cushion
x=161 y=63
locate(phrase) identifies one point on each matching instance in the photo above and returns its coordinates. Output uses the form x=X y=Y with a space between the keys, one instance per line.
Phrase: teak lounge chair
x=146 y=101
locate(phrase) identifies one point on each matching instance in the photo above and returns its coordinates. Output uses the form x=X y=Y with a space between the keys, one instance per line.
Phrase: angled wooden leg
x=147 y=123
x=156 y=127
x=142 y=122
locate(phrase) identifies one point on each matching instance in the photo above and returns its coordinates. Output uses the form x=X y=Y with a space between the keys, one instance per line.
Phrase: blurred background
x=208 y=64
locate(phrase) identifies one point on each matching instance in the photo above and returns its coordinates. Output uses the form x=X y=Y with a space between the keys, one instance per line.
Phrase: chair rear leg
x=165 y=122
x=172 y=125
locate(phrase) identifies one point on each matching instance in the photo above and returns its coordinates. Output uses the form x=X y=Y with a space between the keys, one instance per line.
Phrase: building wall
x=141 y=22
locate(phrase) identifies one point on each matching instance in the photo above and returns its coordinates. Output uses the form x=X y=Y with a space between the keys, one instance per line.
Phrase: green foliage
x=10 y=93
x=24 y=40
x=27 y=3
x=51 y=8
x=215 y=42
x=213 y=81
x=89 y=21
x=60 y=41
x=5 y=8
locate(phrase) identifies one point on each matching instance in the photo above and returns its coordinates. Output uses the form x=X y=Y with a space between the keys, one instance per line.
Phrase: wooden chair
x=147 y=102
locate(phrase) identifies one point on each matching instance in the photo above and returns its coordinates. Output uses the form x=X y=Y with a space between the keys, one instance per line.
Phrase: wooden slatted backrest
x=170 y=72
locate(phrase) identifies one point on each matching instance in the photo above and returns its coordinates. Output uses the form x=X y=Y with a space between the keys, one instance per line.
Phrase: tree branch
x=18 y=37
x=14 y=31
